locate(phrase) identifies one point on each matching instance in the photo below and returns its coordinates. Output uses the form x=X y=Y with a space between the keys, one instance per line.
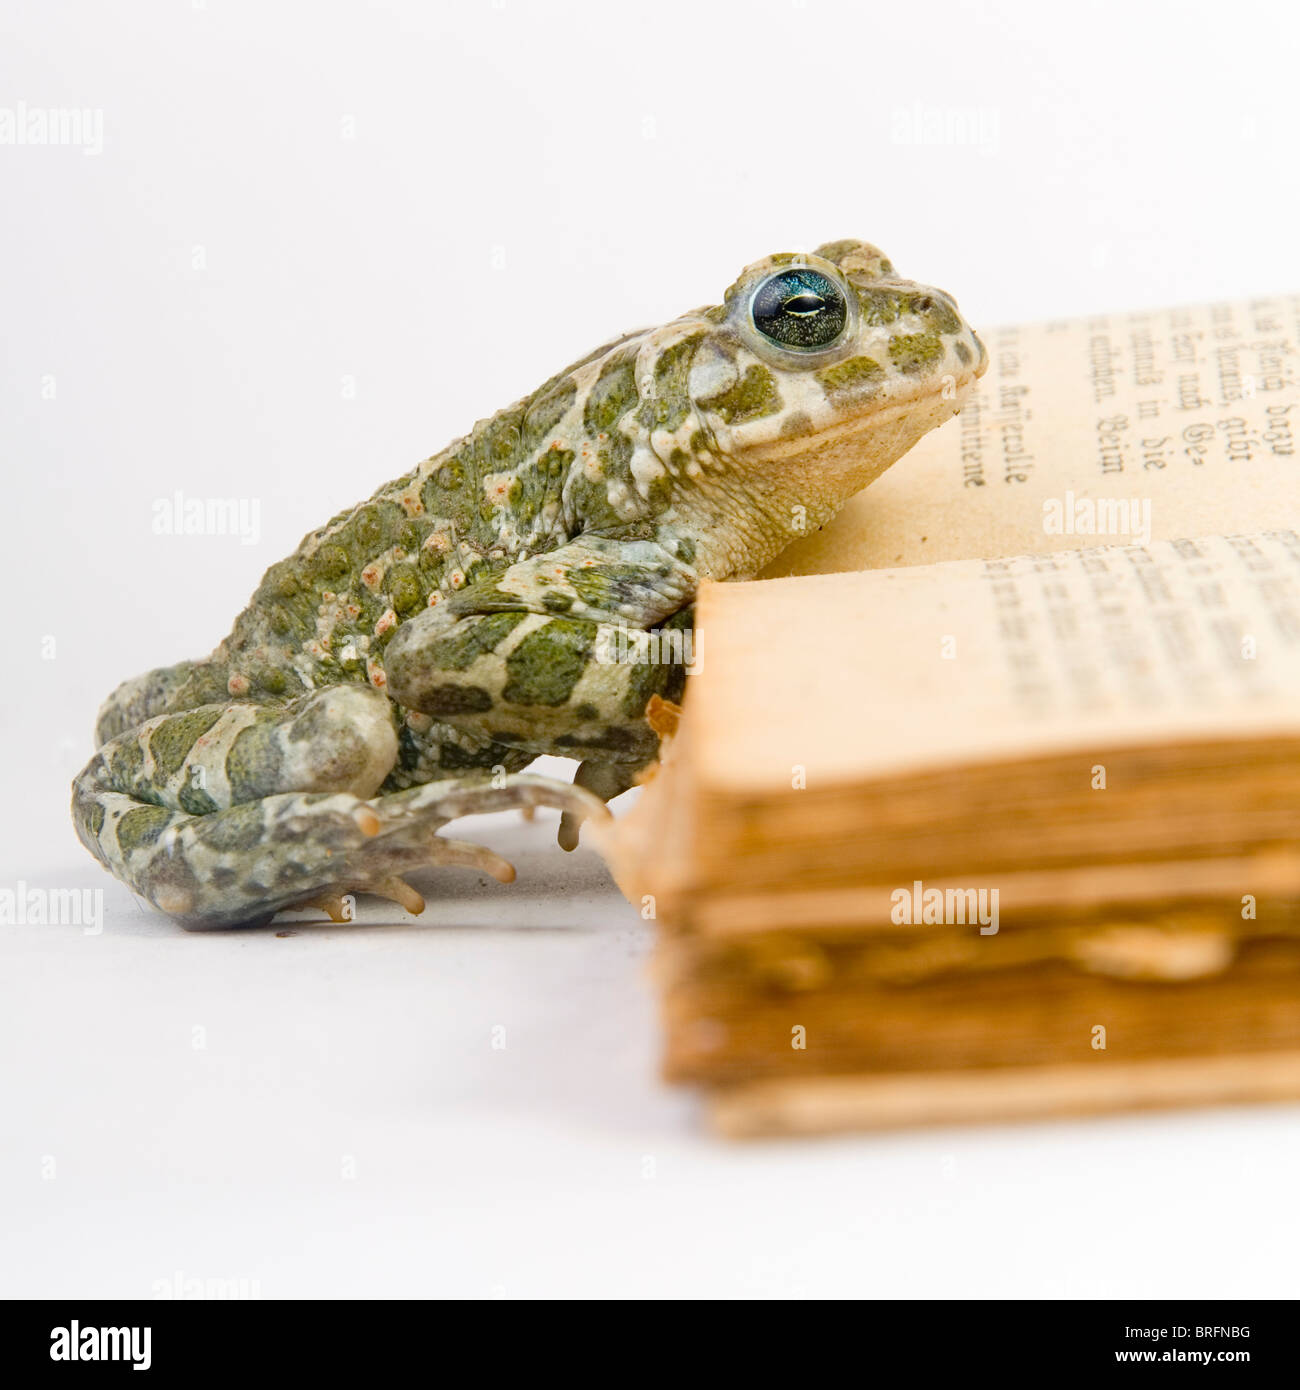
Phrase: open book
x=1017 y=832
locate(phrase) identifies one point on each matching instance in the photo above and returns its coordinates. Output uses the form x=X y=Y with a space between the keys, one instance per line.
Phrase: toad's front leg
x=561 y=654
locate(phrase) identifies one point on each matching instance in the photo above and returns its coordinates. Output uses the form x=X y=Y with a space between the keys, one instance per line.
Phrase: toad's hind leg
x=241 y=866
x=225 y=814
x=140 y=698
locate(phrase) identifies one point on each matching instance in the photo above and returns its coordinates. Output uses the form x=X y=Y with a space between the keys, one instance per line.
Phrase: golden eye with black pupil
x=799 y=309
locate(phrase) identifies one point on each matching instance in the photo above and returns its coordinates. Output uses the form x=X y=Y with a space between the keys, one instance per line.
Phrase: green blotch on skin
x=449 y=477
x=643 y=682
x=686 y=550
x=850 y=377
x=206 y=686
x=329 y=671
x=557 y=603
x=92 y=817
x=914 y=352
x=405 y=590
x=528 y=494
x=752 y=397
x=196 y=801
x=456 y=699
x=272 y=680
x=879 y=307
x=612 y=396
x=254 y=763
x=964 y=354
x=141 y=826
x=463 y=646
x=659 y=494
x=239 y=828
x=546 y=409
x=671 y=402
x=370 y=529
x=485 y=596
x=432 y=562
x=554 y=463
x=171 y=741
x=280 y=581
x=940 y=313
x=609 y=587
x=494 y=446
x=665 y=679
x=503 y=436
x=126 y=764
x=330 y=562
x=548 y=663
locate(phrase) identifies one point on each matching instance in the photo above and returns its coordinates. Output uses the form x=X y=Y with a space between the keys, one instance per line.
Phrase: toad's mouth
x=862 y=442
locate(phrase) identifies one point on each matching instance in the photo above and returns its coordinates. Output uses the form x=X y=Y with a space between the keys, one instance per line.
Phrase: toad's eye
x=800 y=309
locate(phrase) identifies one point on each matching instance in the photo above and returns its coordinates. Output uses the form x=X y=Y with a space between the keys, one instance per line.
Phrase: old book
x=1017 y=832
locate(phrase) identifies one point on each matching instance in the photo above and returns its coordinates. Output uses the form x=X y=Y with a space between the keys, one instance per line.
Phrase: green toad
x=417 y=651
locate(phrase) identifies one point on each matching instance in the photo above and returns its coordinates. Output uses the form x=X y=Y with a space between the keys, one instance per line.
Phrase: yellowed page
x=828 y=1104
x=1189 y=415
x=837 y=678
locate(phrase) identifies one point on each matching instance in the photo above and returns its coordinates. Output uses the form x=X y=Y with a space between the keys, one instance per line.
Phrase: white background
x=321 y=240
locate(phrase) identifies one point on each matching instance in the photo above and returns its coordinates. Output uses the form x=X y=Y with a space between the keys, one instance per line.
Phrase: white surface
x=522 y=182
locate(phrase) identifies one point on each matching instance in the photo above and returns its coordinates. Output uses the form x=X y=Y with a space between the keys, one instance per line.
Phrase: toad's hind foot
x=338 y=907
x=240 y=866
